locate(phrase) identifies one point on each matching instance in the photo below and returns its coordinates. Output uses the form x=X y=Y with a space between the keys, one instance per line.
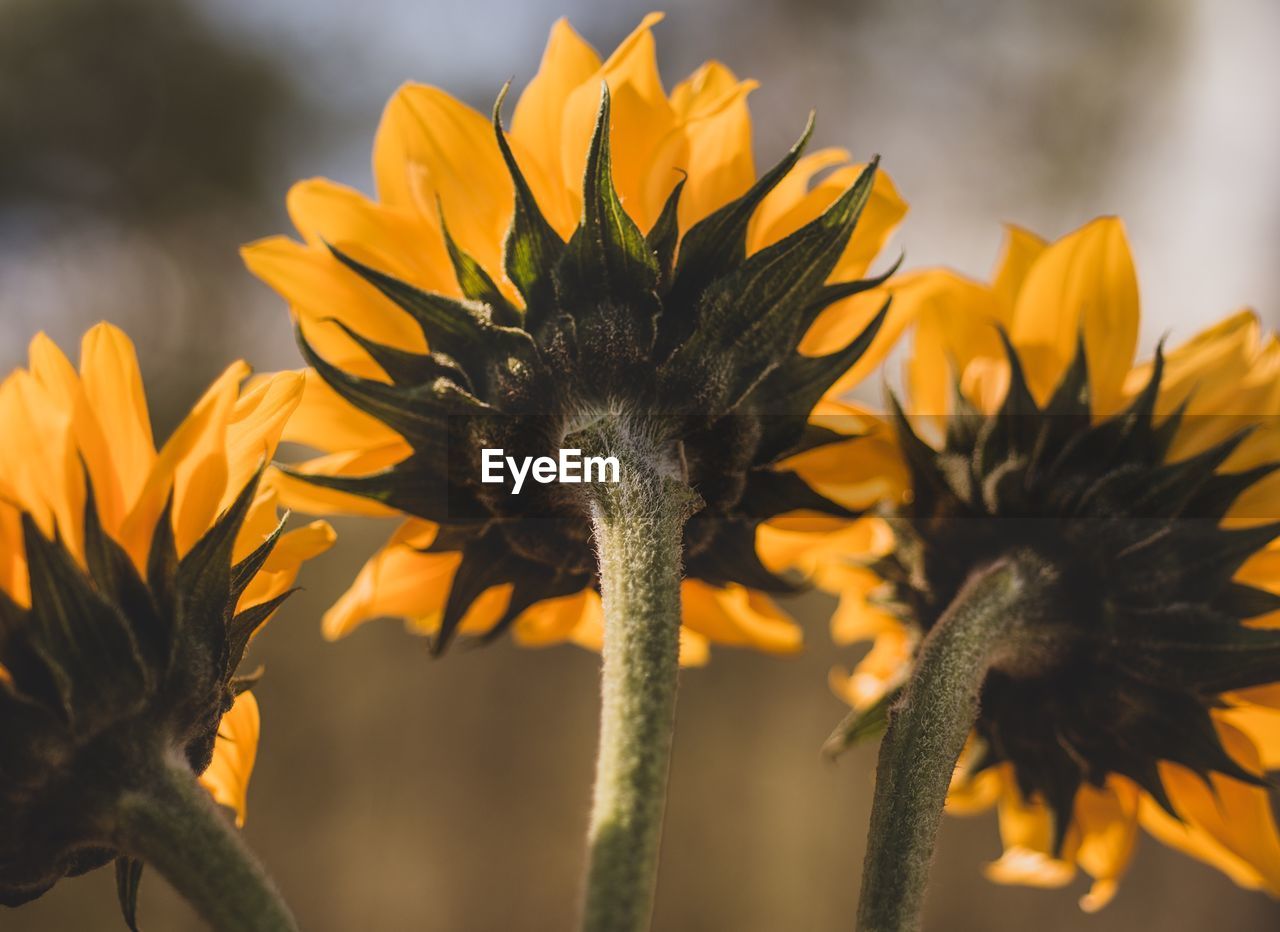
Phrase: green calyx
x=111 y=670
x=1138 y=631
x=684 y=339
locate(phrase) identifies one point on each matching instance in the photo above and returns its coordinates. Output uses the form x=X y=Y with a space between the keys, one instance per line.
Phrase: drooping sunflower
x=613 y=250
x=1137 y=681
x=131 y=581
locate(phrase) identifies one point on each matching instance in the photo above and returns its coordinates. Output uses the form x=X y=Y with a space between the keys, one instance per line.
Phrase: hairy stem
x=927 y=730
x=169 y=821
x=638 y=526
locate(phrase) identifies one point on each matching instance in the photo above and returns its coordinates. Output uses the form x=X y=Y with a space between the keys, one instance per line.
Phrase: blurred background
x=142 y=140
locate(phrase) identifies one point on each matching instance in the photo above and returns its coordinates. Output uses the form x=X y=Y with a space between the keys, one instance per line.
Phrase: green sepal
x=773 y=492
x=750 y=319
x=403 y=488
x=861 y=725
x=403 y=367
x=839 y=291
x=419 y=413
x=532 y=247
x=475 y=282
x=463 y=330
x=800 y=382
x=245 y=623
x=608 y=275
x=243 y=572
x=82 y=637
x=128 y=881
x=607 y=258
x=664 y=235
x=718 y=242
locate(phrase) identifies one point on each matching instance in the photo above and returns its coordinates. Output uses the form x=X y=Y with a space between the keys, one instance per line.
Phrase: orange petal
x=1084 y=281
x=1107 y=820
x=254 y=428
x=401 y=581
x=396 y=240
x=1021 y=249
x=536 y=124
x=956 y=322
x=1230 y=826
x=38 y=459
x=318 y=288
x=192 y=464
x=325 y=421
x=428 y=146
x=737 y=616
x=642 y=120
x=113 y=385
x=234 y=753
x=712 y=105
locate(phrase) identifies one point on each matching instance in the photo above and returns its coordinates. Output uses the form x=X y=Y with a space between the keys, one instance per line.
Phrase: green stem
x=638 y=526
x=169 y=821
x=927 y=730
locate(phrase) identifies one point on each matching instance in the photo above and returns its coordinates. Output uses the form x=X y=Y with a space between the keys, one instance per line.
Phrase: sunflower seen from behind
x=131 y=582
x=1080 y=586
x=609 y=276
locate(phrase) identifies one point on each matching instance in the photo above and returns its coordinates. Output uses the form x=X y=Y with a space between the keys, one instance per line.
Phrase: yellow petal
x=192 y=464
x=737 y=616
x=856 y=474
x=234 y=753
x=1230 y=826
x=281 y=569
x=1256 y=713
x=857 y=618
x=1029 y=867
x=712 y=105
x=396 y=240
x=54 y=372
x=885 y=208
x=579 y=618
x=1107 y=820
x=314 y=499
x=536 y=124
x=113 y=386
x=767 y=224
x=884 y=668
x=39 y=460
x=553 y=621
x=254 y=428
x=318 y=287
x=1021 y=249
x=956 y=321
x=1026 y=831
x=430 y=146
x=325 y=421
x=971 y=793
x=642 y=121
x=1085 y=280
x=400 y=581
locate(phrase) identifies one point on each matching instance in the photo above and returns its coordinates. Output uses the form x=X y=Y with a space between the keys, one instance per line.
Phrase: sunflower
x=1140 y=686
x=614 y=251
x=131 y=581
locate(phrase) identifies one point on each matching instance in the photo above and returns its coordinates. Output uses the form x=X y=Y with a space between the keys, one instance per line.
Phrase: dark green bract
x=696 y=353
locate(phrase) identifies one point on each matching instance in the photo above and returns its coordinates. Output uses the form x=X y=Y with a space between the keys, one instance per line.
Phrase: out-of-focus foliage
x=123 y=106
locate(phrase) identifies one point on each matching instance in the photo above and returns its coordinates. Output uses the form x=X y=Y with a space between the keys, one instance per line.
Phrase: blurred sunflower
x=612 y=253
x=131 y=581
x=1142 y=688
